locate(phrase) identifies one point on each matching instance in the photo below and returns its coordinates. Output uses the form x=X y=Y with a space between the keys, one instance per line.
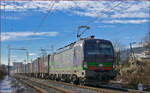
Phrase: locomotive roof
x=67 y=45
x=91 y=37
x=72 y=44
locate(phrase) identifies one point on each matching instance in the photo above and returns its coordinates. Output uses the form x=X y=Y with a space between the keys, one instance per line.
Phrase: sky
x=29 y=25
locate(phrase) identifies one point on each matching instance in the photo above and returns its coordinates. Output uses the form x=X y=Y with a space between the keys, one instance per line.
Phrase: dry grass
x=133 y=72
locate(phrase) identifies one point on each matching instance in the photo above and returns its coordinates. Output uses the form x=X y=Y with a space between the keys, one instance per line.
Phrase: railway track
x=103 y=90
x=42 y=87
x=71 y=88
x=34 y=87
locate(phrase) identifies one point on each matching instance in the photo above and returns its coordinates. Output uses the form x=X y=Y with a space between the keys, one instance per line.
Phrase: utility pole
x=131 y=50
x=27 y=59
x=43 y=52
x=27 y=53
x=8 y=59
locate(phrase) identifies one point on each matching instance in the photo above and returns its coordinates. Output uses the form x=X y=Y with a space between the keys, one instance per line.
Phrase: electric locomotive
x=86 y=60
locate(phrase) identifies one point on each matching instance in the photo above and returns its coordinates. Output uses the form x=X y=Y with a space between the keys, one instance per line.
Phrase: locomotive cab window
x=101 y=48
x=106 y=49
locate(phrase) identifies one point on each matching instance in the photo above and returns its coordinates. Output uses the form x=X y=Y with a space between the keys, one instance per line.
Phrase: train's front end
x=98 y=60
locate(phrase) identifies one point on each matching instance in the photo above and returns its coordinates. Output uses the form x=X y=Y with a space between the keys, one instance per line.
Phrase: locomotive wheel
x=49 y=77
x=55 y=77
x=81 y=81
x=68 y=80
x=74 y=79
x=52 y=77
x=105 y=79
x=58 y=78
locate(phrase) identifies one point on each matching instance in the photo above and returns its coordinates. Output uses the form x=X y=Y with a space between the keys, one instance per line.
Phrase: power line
x=42 y=20
x=103 y=13
x=0 y=37
x=69 y=35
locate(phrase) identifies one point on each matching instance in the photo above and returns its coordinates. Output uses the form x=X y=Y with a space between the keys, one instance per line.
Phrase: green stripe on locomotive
x=69 y=68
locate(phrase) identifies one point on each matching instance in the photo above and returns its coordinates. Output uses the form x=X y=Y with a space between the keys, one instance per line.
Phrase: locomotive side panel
x=69 y=61
x=64 y=61
x=78 y=57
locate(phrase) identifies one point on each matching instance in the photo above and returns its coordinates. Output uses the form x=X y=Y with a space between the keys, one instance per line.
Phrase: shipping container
x=46 y=64
x=35 y=68
x=30 y=67
x=22 y=70
x=40 y=60
x=27 y=68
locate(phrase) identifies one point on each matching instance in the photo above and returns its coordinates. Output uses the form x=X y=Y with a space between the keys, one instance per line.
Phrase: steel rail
x=35 y=87
x=101 y=89
x=90 y=88
x=85 y=87
x=44 y=84
x=57 y=88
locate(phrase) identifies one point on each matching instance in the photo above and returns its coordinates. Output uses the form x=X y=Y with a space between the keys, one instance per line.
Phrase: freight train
x=87 y=60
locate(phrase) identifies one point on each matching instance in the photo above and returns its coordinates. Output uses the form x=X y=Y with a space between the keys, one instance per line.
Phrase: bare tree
x=146 y=40
x=118 y=47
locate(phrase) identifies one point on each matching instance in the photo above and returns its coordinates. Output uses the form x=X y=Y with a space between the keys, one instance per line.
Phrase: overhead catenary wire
x=68 y=35
x=0 y=37
x=89 y=22
x=72 y=33
x=52 y=3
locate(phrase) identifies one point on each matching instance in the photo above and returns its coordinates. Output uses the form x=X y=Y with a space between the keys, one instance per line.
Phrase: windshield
x=106 y=49
x=99 y=48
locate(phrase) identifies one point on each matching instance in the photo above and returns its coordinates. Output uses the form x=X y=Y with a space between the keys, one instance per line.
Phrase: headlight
x=100 y=65
x=85 y=65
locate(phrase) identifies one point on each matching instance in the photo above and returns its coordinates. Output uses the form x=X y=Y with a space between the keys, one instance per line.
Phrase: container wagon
x=88 y=60
x=45 y=66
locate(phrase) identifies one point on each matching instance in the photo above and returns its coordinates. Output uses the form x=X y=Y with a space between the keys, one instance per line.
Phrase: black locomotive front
x=98 y=59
